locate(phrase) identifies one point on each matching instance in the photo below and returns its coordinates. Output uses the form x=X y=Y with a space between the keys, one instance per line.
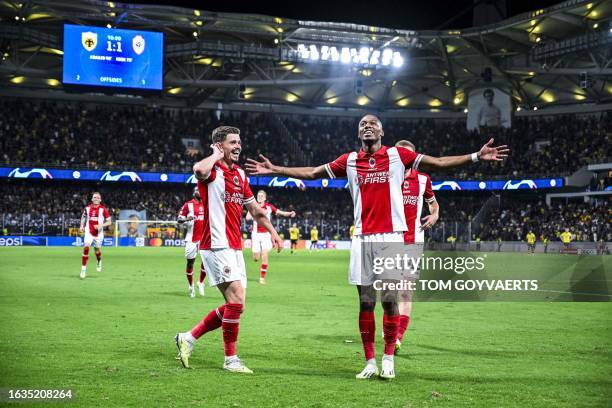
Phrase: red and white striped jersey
x=94 y=215
x=269 y=209
x=375 y=181
x=196 y=227
x=223 y=194
x=416 y=187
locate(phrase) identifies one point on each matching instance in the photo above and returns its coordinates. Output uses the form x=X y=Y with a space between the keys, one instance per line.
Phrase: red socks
x=189 y=272
x=264 y=269
x=390 y=324
x=211 y=322
x=230 y=322
x=85 y=256
x=367 y=327
x=202 y=273
x=402 y=326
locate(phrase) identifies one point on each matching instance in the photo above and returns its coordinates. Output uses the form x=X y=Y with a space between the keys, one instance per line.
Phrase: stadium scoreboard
x=108 y=57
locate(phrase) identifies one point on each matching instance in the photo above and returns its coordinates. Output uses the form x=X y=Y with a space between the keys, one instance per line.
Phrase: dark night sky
x=407 y=14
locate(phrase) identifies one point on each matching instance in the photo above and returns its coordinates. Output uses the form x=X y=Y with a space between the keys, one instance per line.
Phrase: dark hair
x=219 y=134
x=488 y=91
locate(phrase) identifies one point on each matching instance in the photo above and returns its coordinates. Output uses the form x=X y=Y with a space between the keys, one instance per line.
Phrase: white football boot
x=388 y=367
x=83 y=272
x=370 y=371
x=191 y=291
x=235 y=365
x=99 y=266
x=201 y=288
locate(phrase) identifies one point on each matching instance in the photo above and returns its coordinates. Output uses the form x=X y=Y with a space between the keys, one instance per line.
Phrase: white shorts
x=224 y=265
x=261 y=241
x=90 y=240
x=356 y=277
x=191 y=249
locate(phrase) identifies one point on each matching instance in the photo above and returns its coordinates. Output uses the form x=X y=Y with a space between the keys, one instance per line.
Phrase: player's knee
x=367 y=306
x=390 y=307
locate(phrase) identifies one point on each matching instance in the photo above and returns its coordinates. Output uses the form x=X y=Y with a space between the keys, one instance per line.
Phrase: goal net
x=141 y=233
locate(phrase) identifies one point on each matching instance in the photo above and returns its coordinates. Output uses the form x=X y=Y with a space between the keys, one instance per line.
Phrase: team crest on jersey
x=89 y=40
x=236 y=181
x=227 y=270
x=138 y=44
x=406 y=185
x=372 y=162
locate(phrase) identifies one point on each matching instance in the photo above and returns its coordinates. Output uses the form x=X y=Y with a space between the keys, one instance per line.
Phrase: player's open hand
x=490 y=153
x=259 y=168
x=428 y=222
x=277 y=243
x=217 y=151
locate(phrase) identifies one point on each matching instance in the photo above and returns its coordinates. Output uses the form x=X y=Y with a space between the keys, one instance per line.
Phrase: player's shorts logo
x=89 y=40
x=227 y=270
x=372 y=162
x=138 y=44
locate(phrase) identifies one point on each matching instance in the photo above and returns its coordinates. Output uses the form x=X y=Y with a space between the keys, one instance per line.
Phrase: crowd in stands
x=25 y=208
x=149 y=138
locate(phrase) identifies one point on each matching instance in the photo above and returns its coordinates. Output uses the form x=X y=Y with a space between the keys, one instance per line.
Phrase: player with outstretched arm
x=261 y=241
x=375 y=175
x=93 y=220
x=192 y=214
x=224 y=190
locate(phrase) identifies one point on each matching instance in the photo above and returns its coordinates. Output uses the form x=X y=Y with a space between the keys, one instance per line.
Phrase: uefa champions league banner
x=287 y=182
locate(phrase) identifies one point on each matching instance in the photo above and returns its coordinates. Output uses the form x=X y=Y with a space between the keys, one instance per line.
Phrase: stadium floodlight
x=335 y=55
x=364 y=55
x=314 y=53
x=325 y=53
x=387 y=56
x=345 y=55
x=354 y=56
x=375 y=57
x=398 y=61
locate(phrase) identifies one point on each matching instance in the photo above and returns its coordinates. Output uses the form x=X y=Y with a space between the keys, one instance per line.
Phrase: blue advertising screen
x=111 y=57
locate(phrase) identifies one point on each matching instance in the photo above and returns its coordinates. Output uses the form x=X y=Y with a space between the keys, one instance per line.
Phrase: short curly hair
x=219 y=134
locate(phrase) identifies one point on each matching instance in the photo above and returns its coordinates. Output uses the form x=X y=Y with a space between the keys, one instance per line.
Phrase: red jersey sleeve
x=211 y=176
x=273 y=208
x=429 y=195
x=184 y=210
x=247 y=196
x=337 y=168
x=409 y=158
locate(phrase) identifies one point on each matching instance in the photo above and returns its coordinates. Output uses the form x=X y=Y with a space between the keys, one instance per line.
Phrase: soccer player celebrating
x=294 y=236
x=375 y=176
x=224 y=189
x=260 y=237
x=415 y=189
x=531 y=242
x=192 y=213
x=93 y=220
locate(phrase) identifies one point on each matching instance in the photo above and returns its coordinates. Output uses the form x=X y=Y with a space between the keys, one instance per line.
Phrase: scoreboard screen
x=108 y=57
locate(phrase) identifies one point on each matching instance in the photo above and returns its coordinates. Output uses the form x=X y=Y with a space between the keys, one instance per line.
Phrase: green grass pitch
x=110 y=337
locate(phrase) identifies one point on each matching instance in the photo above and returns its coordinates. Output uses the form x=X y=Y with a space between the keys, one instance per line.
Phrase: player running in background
x=314 y=238
x=93 y=220
x=224 y=190
x=531 y=242
x=192 y=214
x=416 y=188
x=294 y=236
x=260 y=237
x=375 y=176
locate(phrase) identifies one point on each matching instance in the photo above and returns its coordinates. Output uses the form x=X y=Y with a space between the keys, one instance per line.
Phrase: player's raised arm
x=203 y=168
x=487 y=153
x=288 y=214
x=265 y=167
x=261 y=218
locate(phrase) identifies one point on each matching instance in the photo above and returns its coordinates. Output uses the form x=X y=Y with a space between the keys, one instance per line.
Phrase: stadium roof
x=538 y=57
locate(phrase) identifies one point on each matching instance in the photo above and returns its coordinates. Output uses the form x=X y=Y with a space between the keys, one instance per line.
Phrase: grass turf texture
x=110 y=337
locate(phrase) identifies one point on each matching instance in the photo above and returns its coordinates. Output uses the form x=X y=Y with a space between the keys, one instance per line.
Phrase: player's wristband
x=474 y=157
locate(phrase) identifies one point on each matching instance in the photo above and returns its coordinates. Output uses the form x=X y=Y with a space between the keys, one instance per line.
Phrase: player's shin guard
x=367 y=328
x=211 y=321
x=263 y=270
x=85 y=256
x=403 y=323
x=230 y=325
x=202 y=273
x=189 y=273
x=390 y=324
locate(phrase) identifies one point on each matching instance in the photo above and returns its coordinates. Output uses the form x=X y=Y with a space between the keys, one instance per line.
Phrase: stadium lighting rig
x=350 y=55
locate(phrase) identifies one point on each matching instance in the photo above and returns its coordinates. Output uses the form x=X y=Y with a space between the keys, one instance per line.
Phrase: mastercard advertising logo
x=155 y=242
